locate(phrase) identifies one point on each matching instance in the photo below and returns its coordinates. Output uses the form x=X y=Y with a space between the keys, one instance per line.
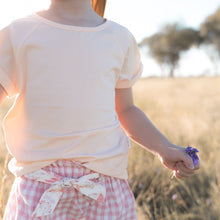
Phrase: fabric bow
x=51 y=196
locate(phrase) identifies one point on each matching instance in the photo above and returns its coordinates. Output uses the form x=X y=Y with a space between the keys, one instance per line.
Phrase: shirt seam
x=122 y=54
x=25 y=38
x=117 y=42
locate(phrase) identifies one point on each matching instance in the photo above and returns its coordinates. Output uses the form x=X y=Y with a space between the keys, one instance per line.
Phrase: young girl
x=68 y=131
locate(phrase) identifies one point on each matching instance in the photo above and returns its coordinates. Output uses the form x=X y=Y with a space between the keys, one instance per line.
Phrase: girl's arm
x=3 y=95
x=140 y=129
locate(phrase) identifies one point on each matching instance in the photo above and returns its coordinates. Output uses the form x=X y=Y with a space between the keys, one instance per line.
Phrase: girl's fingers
x=177 y=175
x=182 y=174
x=187 y=160
x=180 y=166
x=181 y=171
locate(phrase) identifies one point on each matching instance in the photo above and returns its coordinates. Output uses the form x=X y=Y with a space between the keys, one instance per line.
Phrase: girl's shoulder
x=121 y=29
x=24 y=20
x=20 y=29
x=21 y=25
x=122 y=35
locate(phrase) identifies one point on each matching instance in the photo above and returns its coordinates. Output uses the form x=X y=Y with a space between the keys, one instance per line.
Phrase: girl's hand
x=176 y=159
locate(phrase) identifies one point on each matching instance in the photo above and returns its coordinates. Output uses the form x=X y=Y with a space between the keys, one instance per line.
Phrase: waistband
x=51 y=196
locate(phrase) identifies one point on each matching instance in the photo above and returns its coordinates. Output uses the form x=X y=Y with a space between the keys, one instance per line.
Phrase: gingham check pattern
x=51 y=196
x=73 y=205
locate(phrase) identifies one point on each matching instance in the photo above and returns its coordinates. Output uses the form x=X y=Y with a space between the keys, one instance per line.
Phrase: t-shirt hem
x=17 y=171
x=98 y=169
x=126 y=83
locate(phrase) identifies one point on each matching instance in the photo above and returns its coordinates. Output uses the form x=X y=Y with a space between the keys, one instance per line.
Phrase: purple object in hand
x=192 y=153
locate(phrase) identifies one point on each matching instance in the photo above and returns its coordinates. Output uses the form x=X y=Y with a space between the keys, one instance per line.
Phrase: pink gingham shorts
x=72 y=203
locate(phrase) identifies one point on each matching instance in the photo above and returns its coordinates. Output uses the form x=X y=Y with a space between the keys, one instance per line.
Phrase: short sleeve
x=132 y=66
x=7 y=63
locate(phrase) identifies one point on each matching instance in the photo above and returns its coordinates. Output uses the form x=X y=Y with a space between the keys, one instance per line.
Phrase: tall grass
x=187 y=111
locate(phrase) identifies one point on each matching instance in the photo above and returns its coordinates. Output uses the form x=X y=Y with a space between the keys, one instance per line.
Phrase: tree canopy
x=167 y=45
x=210 y=30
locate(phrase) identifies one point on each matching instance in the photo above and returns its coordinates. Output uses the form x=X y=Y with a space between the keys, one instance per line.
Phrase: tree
x=167 y=45
x=210 y=32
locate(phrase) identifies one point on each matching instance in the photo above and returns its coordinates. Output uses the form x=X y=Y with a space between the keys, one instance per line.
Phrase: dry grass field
x=187 y=111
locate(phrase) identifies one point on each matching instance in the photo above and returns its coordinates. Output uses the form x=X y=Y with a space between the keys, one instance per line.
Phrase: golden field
x=187 y=112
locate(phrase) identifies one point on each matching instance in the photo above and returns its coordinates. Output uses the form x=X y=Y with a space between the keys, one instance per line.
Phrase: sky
x=143 y=18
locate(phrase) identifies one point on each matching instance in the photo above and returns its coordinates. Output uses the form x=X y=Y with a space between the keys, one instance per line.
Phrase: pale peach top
x=64 y=78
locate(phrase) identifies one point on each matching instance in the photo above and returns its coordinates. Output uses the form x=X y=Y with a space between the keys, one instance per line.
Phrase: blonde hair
x=99 y=6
